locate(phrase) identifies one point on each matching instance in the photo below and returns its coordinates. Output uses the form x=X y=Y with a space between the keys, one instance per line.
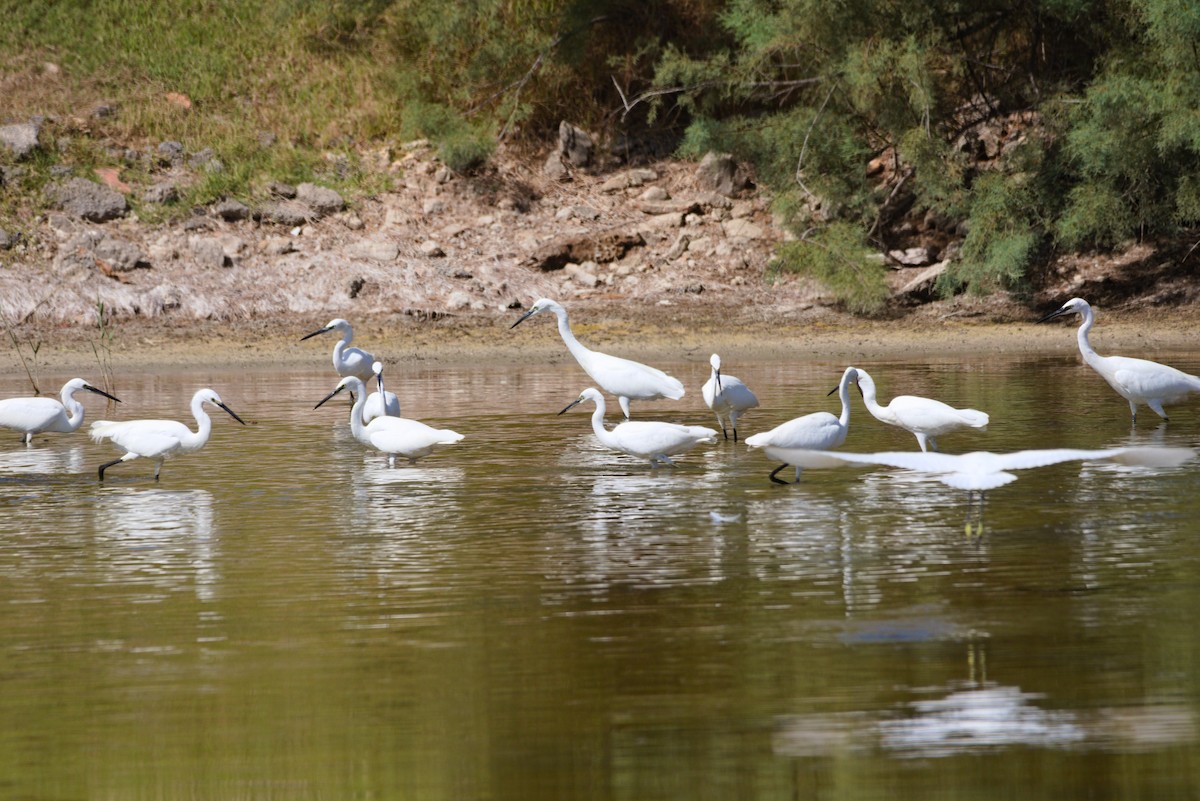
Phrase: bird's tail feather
x=101 y=430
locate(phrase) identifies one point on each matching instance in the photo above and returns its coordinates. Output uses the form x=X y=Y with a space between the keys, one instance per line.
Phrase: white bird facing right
x=160 y=439
x=36 y=415
x=653 y=441
x=818 y=431
x=1135 y=380
x=380 y=403
x=395 y=436
x=346 y=360
x=926 y=418
x=627 y=379
x=727 y=396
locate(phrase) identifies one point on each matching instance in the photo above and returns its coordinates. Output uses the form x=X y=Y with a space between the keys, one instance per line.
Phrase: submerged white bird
x=395 y=436
x=628 y=380
x=380 y=403
x=818 y=431
x=924 y=417
x=37 y=415
x=653 y=441
x=346 y=360
x=1135 y=380
x=727 y=396
x=159 y=439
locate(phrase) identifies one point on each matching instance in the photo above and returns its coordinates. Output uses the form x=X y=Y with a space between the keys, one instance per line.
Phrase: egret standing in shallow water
x=818 y=431
x=380 y=403
x=1135 y=380
x=924 y=417
x=346 y=360
x=395 y=436
x=160 y=439
x=37 y=415
x=727 y=396
x=655 y=442
x=628 y=380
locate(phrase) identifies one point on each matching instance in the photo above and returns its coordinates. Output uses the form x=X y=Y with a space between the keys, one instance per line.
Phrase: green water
x=525 y=615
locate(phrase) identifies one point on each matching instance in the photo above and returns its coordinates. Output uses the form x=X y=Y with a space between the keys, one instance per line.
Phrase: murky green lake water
x=527 y=616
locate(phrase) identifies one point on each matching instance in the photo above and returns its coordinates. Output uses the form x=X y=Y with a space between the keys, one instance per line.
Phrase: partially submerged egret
x=37 y=415
x=160 y=439
x=346 y=360
x=727 y=396
x=818 y=431
x=1135 y=380
x=926 y=418
x=395 y=436
x=628 y=380
x=653 y=441
x=380 y=403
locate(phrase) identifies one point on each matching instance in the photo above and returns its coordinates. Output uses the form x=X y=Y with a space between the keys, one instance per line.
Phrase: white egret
x=1135 y=380
x=160 y=439
x=924 y=417
x=727 y=396
x=380 y=403
x=653 y=441
x=346 y=360
x=817 y=431
x=37 y=415
x=395 y=436
x=628 y=380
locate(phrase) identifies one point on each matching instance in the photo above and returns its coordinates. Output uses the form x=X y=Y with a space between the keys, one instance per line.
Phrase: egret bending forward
x=1135 y=380
x=395 y=436
x=628 y=380
x=924 y=417
x=380 y=403
x=347 y=360
x=727 y=396
x=160 y=439
x=36 y=415
x=818 y=431
x=655 y=442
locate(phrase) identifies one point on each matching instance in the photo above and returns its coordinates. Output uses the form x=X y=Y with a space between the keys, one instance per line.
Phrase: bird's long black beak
x=90 y=388
x=1056 y=313
x=314 y=333
x=523 y=318
x=835 y=389
x=718 y=372
x=330 y=395
x=573 y=404
x=232 y=413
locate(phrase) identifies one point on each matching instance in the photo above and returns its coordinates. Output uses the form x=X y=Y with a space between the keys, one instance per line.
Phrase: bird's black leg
x=776 y=470
x=726 y=433
x=107 y=465
x=734 y=434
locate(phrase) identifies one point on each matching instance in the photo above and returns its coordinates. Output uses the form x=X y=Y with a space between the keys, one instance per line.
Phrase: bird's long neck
x=602 y=433
x=871 y=402
x=203 y=424
x=844 y=395
x=356 y=412
x=74 y=410
x=1085 y=346
x=564 y=330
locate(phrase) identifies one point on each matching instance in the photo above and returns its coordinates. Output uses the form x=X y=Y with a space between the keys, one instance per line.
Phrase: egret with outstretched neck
x=626 y=379
x=346 y=360
x=656 y=442
x=380 y=403
x=160 y=439
x=39 y=415
x=818 y=431
x=727 y=396
x=925 y=418
x=1135 y=380
x=395 y=436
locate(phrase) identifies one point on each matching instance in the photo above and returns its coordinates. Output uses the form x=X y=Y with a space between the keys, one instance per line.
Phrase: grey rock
x=278 y=245
x=679 y=248
x=171 y=151
x=718 y=172
x=202 y=158
x=375 y=250
x=208 y=251
x=585 y=213
x=120 y=255
x=458 y=300
x=433 y=205
x=196 y=224
x=284 y=212
x=280 y=189
x=431 y=249
x=7 y=240
x=90 y=201
x=554 y=168
x=162 y=192
x=574 y=144
x=60 y=171
x=581 y=275
x=659 y=222
x=321 y=199
x=912 y=257
x=231 y=210
x=21 y=139
x=655 y=194
x=742 y=229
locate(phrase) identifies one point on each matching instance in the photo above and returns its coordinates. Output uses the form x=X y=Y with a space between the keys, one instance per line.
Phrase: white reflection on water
x=42 y=461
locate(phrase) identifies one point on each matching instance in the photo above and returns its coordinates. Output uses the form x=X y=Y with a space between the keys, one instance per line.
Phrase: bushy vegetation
x=1026 y=128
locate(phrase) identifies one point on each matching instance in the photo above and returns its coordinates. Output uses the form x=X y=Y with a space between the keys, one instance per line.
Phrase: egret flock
x=808 y=441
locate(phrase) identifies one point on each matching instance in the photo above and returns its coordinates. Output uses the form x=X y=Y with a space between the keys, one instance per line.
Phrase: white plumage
x=38 y=415
x=727 y=396
x=926 y=418
x=346 y=360
x=653 y=441
x=380 y=403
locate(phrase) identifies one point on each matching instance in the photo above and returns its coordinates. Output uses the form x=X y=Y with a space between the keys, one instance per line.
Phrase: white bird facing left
x=727 y=396
x=160 y=439
x=37 y=415
x=656 y=442
x=346 y=360
x=1135 y=380
x=626 y=379
x=926 y=418
x=395 y=436
x=818 y=431
x=380 y=403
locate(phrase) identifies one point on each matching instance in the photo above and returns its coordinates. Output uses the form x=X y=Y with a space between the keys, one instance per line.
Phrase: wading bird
x=160 y=439
x=653 y=441
x=395 y=436
x=37 y=415
x=727 y=396
x=380 y=403
x=1135 y=380
x=628 y=380
x=347 y=360
x=818 y=431
x=924 y=417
